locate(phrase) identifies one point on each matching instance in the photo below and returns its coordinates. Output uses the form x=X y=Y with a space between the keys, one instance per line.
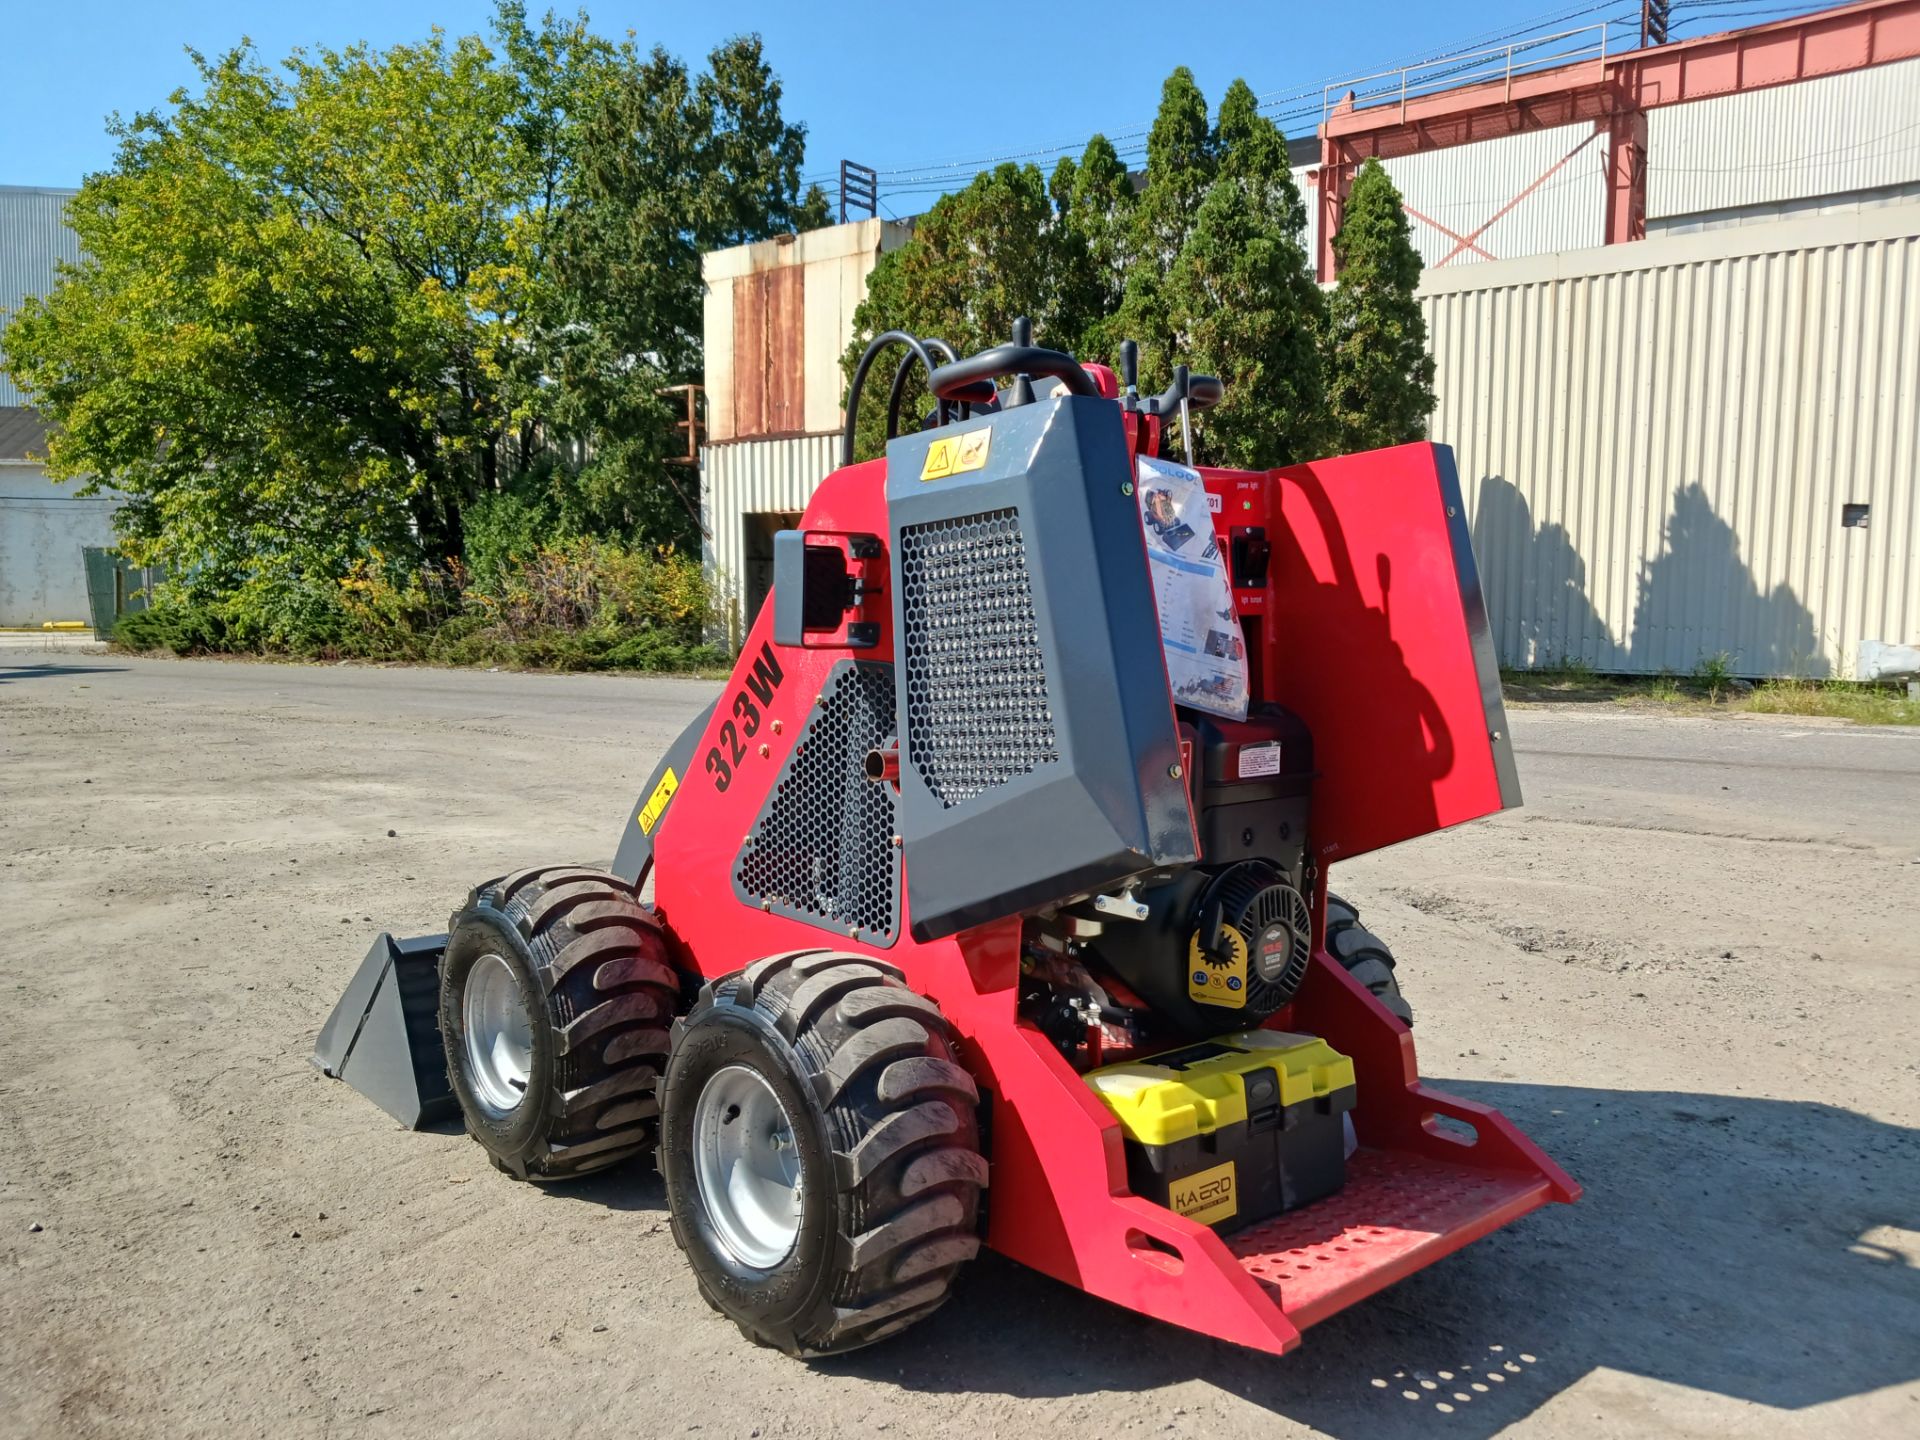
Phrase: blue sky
x=893 y=85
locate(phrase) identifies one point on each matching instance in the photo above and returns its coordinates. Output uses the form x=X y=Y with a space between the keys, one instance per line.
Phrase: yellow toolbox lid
x=1199 y=1088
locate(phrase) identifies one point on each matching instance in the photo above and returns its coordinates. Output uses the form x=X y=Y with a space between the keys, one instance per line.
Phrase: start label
x=1218 y=979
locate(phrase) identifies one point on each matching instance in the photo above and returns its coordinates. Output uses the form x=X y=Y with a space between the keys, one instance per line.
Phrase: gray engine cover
x=1038 y=751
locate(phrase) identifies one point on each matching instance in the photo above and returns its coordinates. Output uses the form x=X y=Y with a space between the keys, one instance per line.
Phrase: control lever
x=1022 y=382
x=1181 y=380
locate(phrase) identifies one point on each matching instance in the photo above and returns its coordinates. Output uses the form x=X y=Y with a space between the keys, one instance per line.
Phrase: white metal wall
x=1465 y=188
x=752 y=477
x=1657 y=441
x=1305 y=182
x=1841 y=133
x=33 y=238
x=44 y=528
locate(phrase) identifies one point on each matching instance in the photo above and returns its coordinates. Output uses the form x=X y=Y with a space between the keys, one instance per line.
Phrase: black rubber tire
x=1366 y=957
x=886 y=1129
x=594 y=973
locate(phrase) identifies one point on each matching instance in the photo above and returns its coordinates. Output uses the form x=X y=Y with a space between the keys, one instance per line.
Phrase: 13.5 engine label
x=725 y=756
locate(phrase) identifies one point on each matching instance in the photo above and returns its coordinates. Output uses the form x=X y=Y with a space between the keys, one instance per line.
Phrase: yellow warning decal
x=1218 y=979
x=1205 y=1195
x=656 y=805
x=957 y=454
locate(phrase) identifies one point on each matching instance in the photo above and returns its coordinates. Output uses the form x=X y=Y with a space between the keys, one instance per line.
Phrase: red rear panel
x=1372 y=629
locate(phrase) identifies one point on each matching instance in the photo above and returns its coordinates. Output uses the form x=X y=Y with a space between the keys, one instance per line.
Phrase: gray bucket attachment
x=383 y=1038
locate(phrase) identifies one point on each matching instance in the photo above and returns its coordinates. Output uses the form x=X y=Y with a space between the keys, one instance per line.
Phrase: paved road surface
x=1688 y=968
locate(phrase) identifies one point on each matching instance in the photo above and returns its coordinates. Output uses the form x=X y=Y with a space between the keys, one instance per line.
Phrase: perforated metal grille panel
x=822 y=848
x=977 y=707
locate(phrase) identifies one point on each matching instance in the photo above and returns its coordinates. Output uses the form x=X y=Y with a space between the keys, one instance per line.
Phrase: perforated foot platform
x=1398 y=1212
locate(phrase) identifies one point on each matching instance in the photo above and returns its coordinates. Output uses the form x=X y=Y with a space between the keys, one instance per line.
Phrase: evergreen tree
x=1245 y=300
x=1060 y=185
x=1181 y=165
x=1100 y=211
x=1380 y=376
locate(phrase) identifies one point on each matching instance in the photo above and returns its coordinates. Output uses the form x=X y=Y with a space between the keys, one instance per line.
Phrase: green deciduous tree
x=329 y=307
x=978 y=260
x=1243 y=301
x=1379 y=374
x=663 y=165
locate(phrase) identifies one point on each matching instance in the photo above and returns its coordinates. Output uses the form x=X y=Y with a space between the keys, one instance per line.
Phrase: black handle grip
x=1202 y=392
x=951 y=381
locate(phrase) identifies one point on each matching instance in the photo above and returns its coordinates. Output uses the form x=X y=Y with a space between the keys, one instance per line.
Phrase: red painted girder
x=1832 y=42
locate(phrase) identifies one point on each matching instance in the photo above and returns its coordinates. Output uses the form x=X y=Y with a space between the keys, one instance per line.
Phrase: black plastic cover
x=1039 y=758
x=1251 y=781
x=809 y=587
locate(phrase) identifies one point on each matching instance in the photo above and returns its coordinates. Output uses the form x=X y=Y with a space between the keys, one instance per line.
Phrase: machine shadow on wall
x=1698 y=586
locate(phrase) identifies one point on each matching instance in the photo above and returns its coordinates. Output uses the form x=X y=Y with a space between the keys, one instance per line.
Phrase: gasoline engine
x=1198 y=950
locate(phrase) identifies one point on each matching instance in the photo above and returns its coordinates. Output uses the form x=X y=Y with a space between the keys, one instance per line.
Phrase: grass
x=1837 y=699
x=1713 y=688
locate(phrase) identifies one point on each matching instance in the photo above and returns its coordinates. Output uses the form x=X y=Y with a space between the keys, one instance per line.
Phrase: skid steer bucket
x=383 y=1038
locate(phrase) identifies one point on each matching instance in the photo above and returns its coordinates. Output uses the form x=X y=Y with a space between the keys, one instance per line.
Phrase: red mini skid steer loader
x=975 y=918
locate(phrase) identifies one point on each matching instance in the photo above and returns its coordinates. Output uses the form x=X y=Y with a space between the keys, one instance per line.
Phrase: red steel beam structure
x=1614 y=92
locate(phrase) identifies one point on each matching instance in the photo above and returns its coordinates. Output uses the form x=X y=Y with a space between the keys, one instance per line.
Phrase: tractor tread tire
x=902 y=1145
x=609 y=991
x=1365 y=956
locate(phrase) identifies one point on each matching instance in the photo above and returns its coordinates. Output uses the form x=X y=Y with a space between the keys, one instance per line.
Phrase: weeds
x=1715 y=673
x=580 y=604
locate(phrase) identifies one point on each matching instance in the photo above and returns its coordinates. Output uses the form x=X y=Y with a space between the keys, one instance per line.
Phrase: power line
x=899 y=179
x=1289 y=106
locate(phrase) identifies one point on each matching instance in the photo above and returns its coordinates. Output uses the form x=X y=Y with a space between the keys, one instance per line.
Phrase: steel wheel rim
x=747 y=1166
x=499 y=1036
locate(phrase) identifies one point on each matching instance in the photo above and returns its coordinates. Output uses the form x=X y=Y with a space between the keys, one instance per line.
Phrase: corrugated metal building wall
x=1841 y=141
x=1766 y=153
x=1472 y=203
x=1661 y=443
x=33 y=238
x=746 y=489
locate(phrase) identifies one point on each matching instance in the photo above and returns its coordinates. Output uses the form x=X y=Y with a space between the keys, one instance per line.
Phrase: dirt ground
x=1688 y=968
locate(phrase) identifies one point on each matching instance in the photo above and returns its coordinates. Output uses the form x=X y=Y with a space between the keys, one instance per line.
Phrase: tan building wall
x=778 y=316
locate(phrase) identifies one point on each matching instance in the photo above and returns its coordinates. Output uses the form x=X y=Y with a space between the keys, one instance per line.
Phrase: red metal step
x=1398 y=1212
